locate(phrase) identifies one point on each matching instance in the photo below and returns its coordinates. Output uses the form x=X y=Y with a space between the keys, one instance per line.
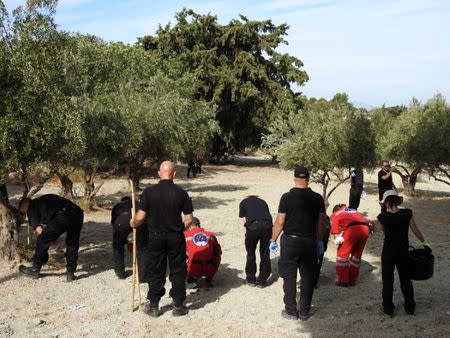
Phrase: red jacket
x=203 y=251
x=340 y=219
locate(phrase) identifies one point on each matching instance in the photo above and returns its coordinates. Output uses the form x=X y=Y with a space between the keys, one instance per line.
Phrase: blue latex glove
x=319 y=248
x=273 y=247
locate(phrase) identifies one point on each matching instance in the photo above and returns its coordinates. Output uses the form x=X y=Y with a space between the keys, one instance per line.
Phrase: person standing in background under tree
x=356 y=188
x=385 y=181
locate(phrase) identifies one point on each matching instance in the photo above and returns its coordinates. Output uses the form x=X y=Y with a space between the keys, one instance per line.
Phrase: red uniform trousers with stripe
x=350 y=252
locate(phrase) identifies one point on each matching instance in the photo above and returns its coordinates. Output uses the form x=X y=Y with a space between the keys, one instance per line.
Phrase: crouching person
x=351 y=231
x=120 y=221
x=204 y=253
x=50 y=216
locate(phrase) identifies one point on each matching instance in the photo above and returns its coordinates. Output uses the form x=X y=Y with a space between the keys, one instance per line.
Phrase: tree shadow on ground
x=202 y=202
x=218 y=187
x=226 y=279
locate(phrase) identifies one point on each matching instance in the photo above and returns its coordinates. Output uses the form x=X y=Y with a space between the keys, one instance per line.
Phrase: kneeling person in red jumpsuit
x=204 y=253
x=350 y=230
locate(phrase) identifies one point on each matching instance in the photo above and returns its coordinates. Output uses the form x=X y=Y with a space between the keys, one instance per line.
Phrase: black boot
x=179 y=309
x=152 y=310
x=30 y=271
x=121 y=274
x=70 y=277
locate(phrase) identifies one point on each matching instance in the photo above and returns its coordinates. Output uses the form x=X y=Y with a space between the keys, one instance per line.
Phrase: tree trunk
x=89 y=185
x=409 y=180
x=8 y=233
x=135 y=171
x=66 y=186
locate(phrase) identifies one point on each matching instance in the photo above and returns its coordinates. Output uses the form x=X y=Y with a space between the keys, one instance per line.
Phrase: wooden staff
x=135 y=261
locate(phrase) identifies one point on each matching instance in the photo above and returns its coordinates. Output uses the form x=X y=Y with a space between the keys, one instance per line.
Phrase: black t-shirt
x=254 y=208
x=44 y=208
x=164 y=203
x=357 y=179
x=396 y=227
x=384 y=185
x=121 y=213
x=302 y=207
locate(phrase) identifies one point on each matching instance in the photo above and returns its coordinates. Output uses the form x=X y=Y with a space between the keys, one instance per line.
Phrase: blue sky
x=377 y=51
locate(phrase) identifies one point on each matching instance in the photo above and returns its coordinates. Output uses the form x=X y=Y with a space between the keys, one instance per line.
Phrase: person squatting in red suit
x=203 y=253
x=351 y=231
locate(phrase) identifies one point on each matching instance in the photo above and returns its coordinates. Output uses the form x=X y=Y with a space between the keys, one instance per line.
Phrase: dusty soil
x=42 y=307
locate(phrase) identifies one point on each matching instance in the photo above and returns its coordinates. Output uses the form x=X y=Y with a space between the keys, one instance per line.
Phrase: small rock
x=448 y=312
x=346 y=313
x=38 y=321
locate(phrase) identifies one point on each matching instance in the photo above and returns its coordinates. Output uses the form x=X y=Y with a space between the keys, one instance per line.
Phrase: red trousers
x=349 y=253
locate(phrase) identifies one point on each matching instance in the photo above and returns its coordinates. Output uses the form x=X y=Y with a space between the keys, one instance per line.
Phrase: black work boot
x=121 y=274
x=152 y=310
x=179 y=309
x=70 y=277
x=30 y=271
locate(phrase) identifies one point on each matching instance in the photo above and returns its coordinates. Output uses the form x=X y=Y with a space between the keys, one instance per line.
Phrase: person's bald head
x=167 y=170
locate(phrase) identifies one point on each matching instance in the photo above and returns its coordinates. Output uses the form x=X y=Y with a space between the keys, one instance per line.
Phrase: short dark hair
x=392 y=201
x=125 y=198
x=337 y=207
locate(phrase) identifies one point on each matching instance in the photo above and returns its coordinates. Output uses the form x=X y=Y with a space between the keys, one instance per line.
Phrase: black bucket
x=421 y=264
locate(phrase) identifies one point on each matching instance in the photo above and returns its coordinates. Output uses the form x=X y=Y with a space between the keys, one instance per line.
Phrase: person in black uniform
x=50 y=216
x=163 y=204
x=258 y=224
x=120 y=221
x=385 y=181
x=194 y=167
x=356 y=188
x=301 y=216
x=395 y=223
x=4 y=192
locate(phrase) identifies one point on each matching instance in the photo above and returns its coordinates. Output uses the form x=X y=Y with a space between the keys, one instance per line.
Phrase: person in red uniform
x=350 y=230
x=203 y=253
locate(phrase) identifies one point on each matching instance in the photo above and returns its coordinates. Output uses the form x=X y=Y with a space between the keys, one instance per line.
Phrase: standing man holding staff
x=162 y=205
x=301 y=217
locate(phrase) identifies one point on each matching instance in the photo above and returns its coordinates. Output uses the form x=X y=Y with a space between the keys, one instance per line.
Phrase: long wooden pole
x=135 y=279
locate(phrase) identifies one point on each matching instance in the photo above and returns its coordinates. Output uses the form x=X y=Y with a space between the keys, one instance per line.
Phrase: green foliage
x=419 y=135
x=236 y=67
x=326 y=136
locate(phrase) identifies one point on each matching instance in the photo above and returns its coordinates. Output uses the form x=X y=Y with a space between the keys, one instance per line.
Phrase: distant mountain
x=359 y=104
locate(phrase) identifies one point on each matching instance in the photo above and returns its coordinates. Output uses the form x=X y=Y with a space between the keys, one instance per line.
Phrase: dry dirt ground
x=41 y=308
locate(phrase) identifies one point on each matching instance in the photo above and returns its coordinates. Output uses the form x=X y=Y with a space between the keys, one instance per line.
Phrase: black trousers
x=69 y=222
x=355 y=198
x=120 y=235
x=162 y=248
x=380 y=197
x=258 y=231
x=297 y=253
x=391 y=259
x=325 y=239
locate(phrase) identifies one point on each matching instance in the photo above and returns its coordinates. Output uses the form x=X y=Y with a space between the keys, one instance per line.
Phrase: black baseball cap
x=301 y=172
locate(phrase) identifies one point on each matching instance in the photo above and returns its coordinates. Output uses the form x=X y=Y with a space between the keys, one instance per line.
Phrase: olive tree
x=329 y=137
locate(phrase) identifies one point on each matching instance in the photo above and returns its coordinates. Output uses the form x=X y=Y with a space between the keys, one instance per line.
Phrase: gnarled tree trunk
x=8 y=233
x=66 y=186
x=409 y=179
